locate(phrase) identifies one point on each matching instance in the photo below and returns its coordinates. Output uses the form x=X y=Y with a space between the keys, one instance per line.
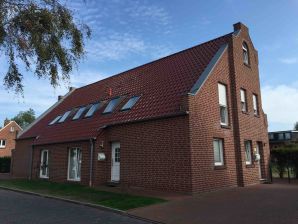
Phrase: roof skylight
x=111 y=106
x=130 y=103
x=79 y=113
x=92 y=110
x=64 y=117
x=55 y=120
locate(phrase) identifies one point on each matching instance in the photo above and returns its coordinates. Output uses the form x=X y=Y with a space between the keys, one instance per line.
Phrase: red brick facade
x=175 y=152
x=8 y=135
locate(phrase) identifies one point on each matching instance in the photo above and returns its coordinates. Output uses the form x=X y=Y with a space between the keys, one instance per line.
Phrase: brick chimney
x=240 y=26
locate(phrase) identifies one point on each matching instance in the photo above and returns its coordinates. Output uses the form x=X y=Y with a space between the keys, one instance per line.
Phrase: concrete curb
x=101 y=207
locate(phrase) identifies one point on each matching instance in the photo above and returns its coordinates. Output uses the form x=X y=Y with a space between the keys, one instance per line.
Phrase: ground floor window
x=218 y=152
x=74 y=164
x=44 y=164
x=248 y=157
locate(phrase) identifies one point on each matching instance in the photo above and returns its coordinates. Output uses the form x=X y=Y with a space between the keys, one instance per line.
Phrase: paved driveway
x=259 y=204
x=22 y=208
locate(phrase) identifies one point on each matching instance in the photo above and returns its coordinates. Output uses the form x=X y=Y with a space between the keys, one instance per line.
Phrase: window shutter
x=222 y=93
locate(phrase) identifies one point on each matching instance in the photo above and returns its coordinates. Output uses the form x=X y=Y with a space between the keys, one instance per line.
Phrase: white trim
x=68 y=165
x=221 y=149
x=41 y=161
x=1 y=143
x=45 y=113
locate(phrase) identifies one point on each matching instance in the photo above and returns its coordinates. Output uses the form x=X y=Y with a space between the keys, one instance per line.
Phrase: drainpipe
x=30 y=164
x=92 y=140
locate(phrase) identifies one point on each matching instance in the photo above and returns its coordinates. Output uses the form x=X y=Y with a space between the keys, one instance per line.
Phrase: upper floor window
x=255 y=104
x=111 y=106
x=55 y=120
x=79 y=113
x=245 y=53
x=243 y=100
x=2 y=143
x=64 y=117
x=130 y=103
x=11 y=129
x=92 y=110
x=223 y=104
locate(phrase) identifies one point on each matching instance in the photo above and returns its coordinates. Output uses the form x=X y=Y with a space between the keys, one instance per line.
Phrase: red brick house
x=8 y=135
x=190 y=122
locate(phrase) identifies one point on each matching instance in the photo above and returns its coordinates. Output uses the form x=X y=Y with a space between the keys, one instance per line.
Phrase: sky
x=128 y=33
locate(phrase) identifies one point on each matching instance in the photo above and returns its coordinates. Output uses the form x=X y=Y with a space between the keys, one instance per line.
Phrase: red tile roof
x=161 y=85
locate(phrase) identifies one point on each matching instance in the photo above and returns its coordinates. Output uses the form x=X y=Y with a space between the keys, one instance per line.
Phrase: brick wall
x=9 y=137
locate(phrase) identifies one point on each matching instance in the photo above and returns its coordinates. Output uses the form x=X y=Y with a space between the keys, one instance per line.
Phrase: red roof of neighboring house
x=161 y=85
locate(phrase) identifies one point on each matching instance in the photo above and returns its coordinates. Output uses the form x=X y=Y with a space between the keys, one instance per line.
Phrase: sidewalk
x=258 y=204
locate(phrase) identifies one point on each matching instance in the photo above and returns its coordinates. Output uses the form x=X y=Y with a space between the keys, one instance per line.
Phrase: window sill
x=249 y=165
x=245 y=112
x=43 y=177
x=247 y=65
x=74 y=180
x=225 y=126
x=257 y=115
x=220 y=167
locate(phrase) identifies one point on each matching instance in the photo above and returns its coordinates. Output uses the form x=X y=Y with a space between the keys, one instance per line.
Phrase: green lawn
x=82 y=193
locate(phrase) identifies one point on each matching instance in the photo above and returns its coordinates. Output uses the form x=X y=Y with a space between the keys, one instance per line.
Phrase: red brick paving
x=259 y=204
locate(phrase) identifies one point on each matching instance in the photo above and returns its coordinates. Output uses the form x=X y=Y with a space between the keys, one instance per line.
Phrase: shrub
x=5 y=164
x=285 y=157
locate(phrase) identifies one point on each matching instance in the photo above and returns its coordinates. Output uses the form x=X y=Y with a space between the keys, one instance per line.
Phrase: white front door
x=115 y=171
x=44 y=164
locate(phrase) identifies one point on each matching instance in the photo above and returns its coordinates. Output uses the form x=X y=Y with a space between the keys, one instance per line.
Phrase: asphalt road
x=23 y=208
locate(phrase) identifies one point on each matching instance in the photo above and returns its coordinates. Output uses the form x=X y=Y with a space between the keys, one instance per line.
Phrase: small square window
x=111 y=106
x=79 y=113
x=287 y=136
x=280 y=136
x=92 y=109
x=64 y=117
x=55 y=120
x=2 y=143
x=130 y=103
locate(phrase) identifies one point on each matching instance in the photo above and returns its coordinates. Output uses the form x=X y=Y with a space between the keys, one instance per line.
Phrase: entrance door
x=260 y=163
x=44 y=164
x=115 y=170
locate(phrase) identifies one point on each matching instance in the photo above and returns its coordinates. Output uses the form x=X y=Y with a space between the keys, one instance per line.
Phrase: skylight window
x=64 y=117
x=55 y=120
x=111 y=106
x=79 y=113
x=130 y=103
x=92 y=110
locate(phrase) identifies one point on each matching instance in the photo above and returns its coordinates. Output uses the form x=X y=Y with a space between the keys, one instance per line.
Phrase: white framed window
x=248 y=151
x=2 y=143
x=280 y=136
x=11 y=129
x=223 y=104
x=44 y=164
x=243 y=100
x=255 y=104
x=74 y=164
x=218 y=152
x=287 y=135
x=245 y=53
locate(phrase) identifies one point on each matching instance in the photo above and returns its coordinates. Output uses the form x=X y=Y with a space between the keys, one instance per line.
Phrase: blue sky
x=128 y=33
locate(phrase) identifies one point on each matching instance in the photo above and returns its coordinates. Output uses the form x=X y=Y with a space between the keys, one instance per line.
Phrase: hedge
x=285 y=158
x=5 y=164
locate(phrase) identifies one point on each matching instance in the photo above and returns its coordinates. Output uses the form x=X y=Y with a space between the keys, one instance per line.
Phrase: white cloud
x=289 y=61
x=281 y=105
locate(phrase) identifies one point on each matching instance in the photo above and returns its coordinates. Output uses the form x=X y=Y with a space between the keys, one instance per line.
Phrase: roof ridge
x=159 y=59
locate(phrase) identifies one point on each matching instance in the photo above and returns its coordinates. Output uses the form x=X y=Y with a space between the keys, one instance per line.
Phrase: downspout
x=30 y=162
x=92 y=140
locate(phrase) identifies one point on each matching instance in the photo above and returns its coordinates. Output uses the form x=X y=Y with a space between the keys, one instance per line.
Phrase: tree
x=24 y=118
x=296 y=126
x=44 y=36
